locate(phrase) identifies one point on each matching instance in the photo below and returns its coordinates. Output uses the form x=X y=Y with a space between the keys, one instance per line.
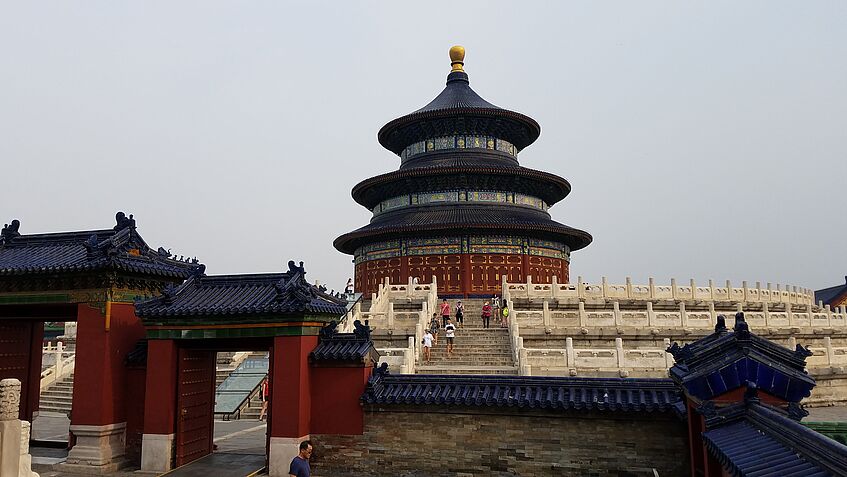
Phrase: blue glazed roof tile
x=762 y=441
x=121 y=248
x=229 y=295
x=549 y=393
x=725 y=360
x=828 y=295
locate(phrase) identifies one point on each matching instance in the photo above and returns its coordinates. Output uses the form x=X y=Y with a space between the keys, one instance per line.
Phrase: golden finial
x=457 y=57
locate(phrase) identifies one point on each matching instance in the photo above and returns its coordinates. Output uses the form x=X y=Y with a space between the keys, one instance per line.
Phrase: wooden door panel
x=195 y=404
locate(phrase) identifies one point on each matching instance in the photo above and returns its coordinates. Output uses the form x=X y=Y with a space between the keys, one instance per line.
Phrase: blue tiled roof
x=724 y=361
x=551 y=393
x=230 y=295
x=352 y=347
x=765 y=442
x=828 y=295
x=112 y=249
x=747 y=451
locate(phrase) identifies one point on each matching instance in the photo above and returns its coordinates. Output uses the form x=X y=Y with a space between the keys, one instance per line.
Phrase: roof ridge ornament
x=10 y=231
x=457 y=58
x=124 y=222
x=741 y=327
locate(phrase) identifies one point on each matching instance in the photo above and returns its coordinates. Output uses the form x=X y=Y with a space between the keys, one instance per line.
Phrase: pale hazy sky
x=702 y=139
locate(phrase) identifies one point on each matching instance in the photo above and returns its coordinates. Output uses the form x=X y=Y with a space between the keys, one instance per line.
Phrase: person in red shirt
x=445 y=312
x=486 y=315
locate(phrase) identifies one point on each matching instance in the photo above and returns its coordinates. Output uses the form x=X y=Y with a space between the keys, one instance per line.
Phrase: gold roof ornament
x=457 y=57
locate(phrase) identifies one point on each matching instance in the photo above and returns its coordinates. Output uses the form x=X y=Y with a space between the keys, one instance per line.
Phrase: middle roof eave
x=548 y=187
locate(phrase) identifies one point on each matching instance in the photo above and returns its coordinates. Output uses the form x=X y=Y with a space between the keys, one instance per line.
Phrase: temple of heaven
x=460 y=208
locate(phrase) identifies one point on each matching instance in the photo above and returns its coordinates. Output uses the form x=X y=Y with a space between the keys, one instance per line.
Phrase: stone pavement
x=827 y=414
x=242 y=440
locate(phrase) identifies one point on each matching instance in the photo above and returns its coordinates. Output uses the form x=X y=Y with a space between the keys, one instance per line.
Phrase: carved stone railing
x=63 y=364
x=588 y=361
x=642 y=315
x=651 y=291
x=402 y=359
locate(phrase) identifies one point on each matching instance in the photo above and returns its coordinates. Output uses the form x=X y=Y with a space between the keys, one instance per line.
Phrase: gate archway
x=91 y=277
x=279 y=312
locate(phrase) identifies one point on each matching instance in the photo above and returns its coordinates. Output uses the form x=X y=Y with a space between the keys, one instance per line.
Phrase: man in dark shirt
x=300 y=464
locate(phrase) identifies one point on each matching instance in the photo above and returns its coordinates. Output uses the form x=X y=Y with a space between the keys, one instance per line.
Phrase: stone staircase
x=476 y=350
x=58 y=397
x=252 y=409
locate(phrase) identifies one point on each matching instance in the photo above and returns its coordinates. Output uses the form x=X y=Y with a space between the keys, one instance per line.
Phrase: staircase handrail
x=61 y=368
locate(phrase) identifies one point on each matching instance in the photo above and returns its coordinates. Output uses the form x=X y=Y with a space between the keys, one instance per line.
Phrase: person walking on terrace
x=427 y=345
x=486 y=315
x=505 y=314
x=433 y=329
x=460 y=313
x=450 y=331
x=445 y=312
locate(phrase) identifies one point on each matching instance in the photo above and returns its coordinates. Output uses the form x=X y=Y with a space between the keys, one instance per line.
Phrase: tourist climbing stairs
x=476 y=350
x=58 y=396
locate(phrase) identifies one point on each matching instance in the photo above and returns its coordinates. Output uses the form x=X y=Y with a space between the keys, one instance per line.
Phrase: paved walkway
x=240 y=445
x=827 y=414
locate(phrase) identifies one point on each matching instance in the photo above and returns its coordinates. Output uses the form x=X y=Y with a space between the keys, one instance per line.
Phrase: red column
x=465 y=265
x=98 y=417
x=33 y=381
x=291 y=404
x=290 y=385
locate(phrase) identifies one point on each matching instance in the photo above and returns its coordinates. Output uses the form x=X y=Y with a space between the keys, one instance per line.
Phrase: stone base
x=157 y=452
x=283 y=449
x=10 y=447
x=98 y=449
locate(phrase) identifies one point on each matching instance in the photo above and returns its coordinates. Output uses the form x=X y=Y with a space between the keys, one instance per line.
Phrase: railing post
x=605 y=286
x=59 y=361
x=744 y=288
x=619 y=352
x=829 y=352
x=629 y=287
x=652 y=285
x=713 y=316
x=766 y=312
x=711 y=290
x=693 y=289
x=668 y=357
x=616 y=308
x=683 y=316
x=790 y=313
x=651 y=316
x=580 y=289
x=545 y=314
x=391 y=316
x=569 y=353
x=673 y=288
x=583 y=318
x=555 y=286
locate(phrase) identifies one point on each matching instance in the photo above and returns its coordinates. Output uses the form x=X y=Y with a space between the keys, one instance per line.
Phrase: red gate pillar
x=98 y=416
x=291 y=404
x=157 y=448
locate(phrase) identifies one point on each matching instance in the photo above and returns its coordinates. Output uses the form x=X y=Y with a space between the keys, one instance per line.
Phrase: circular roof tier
x=458 y=109
x=456 y=173
x=449 y=220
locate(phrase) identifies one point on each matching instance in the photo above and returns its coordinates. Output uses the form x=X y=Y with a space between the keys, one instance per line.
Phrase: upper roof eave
x=398 y=133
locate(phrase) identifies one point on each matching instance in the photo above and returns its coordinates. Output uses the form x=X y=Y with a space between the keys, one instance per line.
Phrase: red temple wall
x=100 y=378
x=461 y=274
x=335 y=399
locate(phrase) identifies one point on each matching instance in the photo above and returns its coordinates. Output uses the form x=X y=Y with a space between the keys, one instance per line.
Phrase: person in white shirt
x=427 y=344
x=450 y=330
